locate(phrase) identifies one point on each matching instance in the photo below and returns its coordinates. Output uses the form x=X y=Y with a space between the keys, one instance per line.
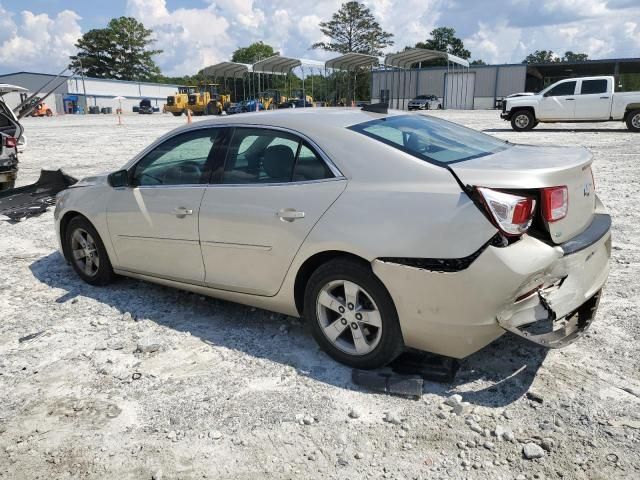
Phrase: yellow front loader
x=177 y=104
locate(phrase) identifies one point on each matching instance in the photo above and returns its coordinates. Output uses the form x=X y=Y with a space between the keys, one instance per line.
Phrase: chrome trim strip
x=332 y=166
x=160 y=239
x=275 y=184
x=245 y=246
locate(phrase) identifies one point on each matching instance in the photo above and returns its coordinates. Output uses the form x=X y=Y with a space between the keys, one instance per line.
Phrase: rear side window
x=566 y=88
x=593 y=86
x=258 y=155
x=432 y=139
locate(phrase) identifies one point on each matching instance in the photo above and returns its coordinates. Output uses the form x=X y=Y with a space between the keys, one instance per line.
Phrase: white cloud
x=36 y=41
x=192 y=38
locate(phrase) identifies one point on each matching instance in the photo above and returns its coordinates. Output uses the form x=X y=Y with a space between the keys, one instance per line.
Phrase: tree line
x=124 y=50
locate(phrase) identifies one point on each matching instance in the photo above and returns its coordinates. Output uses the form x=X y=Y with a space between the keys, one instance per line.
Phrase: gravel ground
x=136 y=381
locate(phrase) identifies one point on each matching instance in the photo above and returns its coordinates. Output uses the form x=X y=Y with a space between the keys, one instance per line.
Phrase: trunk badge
x=587 y=189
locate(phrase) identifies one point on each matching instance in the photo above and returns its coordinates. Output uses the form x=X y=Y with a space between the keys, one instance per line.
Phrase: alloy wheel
x=85 y=252
x=635 y=121
x=348 y=317
x=522 y=121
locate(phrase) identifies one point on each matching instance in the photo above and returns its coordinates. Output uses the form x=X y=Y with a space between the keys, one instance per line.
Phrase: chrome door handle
x=567 y=99
x=289 y=214
x=182 y=212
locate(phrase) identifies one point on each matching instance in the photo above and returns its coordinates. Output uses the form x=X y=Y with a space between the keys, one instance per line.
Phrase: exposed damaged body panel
x=29 y=200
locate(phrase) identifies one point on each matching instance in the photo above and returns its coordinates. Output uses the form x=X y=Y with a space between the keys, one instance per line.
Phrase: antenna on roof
x=376 y=108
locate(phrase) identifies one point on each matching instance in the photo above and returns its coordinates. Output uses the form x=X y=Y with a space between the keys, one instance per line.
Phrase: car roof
x=304 y=120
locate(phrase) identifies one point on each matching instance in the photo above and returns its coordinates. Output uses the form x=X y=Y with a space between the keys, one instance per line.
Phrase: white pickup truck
x=587 y=99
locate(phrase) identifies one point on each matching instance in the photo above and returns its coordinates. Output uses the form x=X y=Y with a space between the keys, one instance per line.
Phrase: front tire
x=352 y=315
x=523 y=120
x=633 y=120
x=86 y=252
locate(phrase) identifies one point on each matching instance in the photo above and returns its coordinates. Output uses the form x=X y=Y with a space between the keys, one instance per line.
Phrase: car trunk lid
x=530 y=169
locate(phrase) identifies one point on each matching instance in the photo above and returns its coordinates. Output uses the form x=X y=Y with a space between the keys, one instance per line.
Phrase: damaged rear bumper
x=564 y=303
x=526 y=286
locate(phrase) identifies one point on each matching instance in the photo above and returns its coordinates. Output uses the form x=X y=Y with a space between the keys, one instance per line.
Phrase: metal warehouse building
x=487 y=85
x=77 y=93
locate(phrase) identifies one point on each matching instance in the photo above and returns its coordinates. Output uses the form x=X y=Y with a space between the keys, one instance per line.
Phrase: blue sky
x=39 y=35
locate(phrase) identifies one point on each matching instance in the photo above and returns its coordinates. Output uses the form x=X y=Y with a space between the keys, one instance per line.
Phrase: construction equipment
x=177 y=104
x=208 y=101
x=301 y=95
x=272 y=99
x=41 y=109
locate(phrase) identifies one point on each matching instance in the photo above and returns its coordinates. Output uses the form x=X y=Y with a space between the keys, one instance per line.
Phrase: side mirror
x=119 y=179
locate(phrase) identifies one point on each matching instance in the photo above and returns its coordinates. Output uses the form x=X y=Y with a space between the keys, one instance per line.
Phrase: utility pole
x=84 y=88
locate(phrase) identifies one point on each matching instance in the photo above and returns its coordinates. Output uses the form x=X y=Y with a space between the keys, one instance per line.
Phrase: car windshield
x=421 y=97
x=431 y=139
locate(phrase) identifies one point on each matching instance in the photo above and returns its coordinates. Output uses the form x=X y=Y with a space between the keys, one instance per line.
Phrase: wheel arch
x=630 y=108
x=64 y=223
x=311 y=264
x=529 y=108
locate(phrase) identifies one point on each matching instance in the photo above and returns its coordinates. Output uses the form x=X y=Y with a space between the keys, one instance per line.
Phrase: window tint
x=593 y=86
x=431 y=138
x=181 y=160
x=309 y=166
x=566 y=88
x=258 y=155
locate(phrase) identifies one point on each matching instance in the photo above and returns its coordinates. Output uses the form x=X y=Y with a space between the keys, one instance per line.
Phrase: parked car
x=235 y=108
x=8 y=161
x=425 y=102
x=11 y=140
x=383 y=230
x=587 y=99
x=144 y=107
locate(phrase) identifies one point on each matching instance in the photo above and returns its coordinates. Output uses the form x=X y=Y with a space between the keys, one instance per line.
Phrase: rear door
x=153 y=223
x=594 y=100
x=274 y=188
x=559 y=103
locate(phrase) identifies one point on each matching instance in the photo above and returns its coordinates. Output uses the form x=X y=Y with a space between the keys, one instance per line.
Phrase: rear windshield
x=431 y=139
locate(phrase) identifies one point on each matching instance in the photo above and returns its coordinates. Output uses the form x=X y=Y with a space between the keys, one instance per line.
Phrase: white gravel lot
x=234 y=392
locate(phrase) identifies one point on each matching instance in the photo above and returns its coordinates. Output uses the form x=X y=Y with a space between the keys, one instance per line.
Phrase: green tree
x=353 y=28
x=443 y=39
x=120 y=51
x=570 y=56
x=477 y=62
x=254 y=52
x=542 y=56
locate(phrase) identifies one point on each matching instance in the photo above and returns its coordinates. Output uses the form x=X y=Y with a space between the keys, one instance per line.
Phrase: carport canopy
x=412 y=56
x=276 y=65
x=351 y=61
x=226 y=69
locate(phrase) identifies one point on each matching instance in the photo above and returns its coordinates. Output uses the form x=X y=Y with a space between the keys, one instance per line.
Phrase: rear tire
x=176 y=114
x=86 y=252
x=633 y=120
x=522 y=120
x=352 y=315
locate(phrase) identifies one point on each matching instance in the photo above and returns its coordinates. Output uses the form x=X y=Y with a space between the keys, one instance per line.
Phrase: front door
x=594 y=101
x=153 y=223
x=274 y=188
x=559 y=103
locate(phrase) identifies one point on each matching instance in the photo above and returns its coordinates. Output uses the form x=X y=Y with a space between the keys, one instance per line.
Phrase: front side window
x=431 y=139
x=593 y=87
x=180 y=160
x=566 y=88
x=258 y=155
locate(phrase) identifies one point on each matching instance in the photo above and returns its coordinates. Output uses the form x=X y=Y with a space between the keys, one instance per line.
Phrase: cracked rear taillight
x=512 y=214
